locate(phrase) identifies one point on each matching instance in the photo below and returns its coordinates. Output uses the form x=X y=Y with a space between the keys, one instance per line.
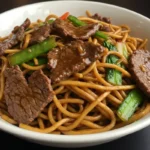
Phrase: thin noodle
x=43 y=116
x=143 y=44
x=36 y=62
x=51 y=16
x=26 y=42
x=41 y=123
x=88 y=13
x=2 y=79
x=97 y=87
x=117 y=31
x=125 y=37
x=124 y=60
x=8 y=119
x=132 y=46
x=107 y=65
x=33 y=67
x=9 y=51
x=46 y=130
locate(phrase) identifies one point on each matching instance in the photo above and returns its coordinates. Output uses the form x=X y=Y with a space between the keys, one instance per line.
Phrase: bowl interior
x=140 y=27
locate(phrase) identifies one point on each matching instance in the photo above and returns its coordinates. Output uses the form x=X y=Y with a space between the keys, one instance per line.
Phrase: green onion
x=100 y=34
x=76 y=21
x=32 y=52
x=130 y=105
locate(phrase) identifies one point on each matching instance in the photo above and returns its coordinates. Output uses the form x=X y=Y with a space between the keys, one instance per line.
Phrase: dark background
x=136 y=141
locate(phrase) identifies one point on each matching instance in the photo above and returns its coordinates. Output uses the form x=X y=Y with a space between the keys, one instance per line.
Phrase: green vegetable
x=32 y=52
x=122 y=49
x=76 y=21
x=109 y=45
x=113 y=76
x=41 y=61
x=129 y=105
x=102 y=35
x=49 y=22
x=79 y=23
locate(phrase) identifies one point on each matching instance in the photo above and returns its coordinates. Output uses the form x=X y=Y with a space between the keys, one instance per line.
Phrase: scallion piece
x=129 y=105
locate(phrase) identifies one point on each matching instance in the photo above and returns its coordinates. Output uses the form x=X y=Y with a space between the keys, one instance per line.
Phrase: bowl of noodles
x=73 y=73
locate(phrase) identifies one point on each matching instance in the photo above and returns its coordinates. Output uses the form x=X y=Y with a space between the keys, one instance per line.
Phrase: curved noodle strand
x=33 y=67
x=2 y=79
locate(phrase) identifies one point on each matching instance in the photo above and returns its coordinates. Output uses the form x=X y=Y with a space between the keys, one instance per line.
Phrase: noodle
x=97 y=87
x=124 y=60
x=33 y=67
x=8 y=119
x=131 y=46
x=125 y=37
x=50 y=16
x=88 y=13
x=46 y=130
x=2 y=80
x=143 y=44
x=26 y=42
x=107 y=65
x=118 y=31
x=35 y=61
x=87 y=102
x=41 y=123
x=43 y=116
x=9 y=51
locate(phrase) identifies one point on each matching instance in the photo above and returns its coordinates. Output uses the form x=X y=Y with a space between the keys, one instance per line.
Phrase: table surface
x=136 y=141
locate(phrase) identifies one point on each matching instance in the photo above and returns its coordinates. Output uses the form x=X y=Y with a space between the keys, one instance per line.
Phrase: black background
x=136 y=141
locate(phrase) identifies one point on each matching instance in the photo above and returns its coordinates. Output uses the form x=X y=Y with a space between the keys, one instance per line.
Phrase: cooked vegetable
x=109 y=45
x=122 y=49
x=49 y=22
x=64 y=16
x=102 y=35
x=32 y=52
x=78 y=23
x=129 y=105
x=41 y=61
x=113 y=76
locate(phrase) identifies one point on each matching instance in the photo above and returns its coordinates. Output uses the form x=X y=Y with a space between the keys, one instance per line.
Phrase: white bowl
x=140 y=27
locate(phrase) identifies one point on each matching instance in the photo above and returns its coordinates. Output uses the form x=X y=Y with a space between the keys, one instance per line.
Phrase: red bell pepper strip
x=64 y=16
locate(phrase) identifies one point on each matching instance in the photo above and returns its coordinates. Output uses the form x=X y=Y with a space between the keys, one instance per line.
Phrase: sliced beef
x=72 y=58
x=17 y=36
x=139 y=65
x=104 y=28
x=67 y=29
x=40 y=34
x=99 y=17
x=25 y=101
x=104 y=19
x=25 y=25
